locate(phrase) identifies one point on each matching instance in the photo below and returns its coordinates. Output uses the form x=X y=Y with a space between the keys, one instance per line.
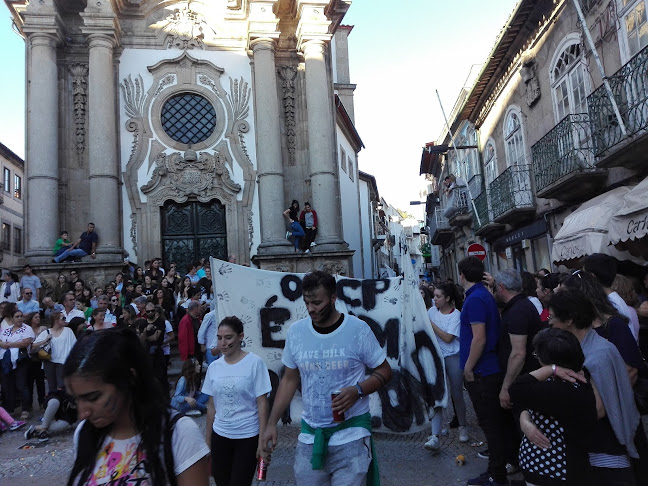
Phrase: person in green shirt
x=61 y=244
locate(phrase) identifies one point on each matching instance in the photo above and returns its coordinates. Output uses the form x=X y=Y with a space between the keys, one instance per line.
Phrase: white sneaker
x=463 y=433
x=288 y=235
x=307 y=251
x=313 y=244
x=433 y=443
x=193 y=413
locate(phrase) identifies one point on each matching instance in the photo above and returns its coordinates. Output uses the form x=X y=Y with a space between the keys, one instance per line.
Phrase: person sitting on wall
x=296 y=230
x=84 y=246
x=62 y=244
x=308 y=220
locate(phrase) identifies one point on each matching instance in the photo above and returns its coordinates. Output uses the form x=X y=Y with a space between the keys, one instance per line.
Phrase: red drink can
x=337 y=416
x=262 y=469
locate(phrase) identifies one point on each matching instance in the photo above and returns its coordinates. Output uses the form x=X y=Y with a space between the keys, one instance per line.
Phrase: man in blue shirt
x=27 y=305
x=478 y=339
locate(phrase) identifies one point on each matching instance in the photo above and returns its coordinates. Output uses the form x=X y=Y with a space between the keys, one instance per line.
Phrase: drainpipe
x=608 y=90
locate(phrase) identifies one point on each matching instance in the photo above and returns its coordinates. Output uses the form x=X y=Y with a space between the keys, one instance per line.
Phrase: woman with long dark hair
x=62 y=340
x=60 y=289
x=608 y=323
x=127 y=433
x=187 y=397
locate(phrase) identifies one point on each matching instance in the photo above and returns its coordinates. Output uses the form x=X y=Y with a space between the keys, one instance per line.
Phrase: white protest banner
x=268 y=302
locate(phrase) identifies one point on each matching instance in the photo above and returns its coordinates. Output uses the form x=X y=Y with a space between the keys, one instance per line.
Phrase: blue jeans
x=201 y=404
x=297 y=232
x=77 y=252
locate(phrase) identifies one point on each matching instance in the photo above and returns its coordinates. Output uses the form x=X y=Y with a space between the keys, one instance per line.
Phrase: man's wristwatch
x=360 y=392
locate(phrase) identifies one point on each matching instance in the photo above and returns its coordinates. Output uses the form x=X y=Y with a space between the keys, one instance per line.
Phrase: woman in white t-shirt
x=237 y=410
x=12 y=340
x=127 y=434
x=444 y=318
x=63 y=340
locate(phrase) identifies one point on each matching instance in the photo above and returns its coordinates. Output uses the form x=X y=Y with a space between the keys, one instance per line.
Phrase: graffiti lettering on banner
x=269 y=302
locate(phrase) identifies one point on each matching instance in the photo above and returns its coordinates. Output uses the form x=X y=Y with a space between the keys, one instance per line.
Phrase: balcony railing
x=484 y=210
x=438 y=221
x=512 y=190
x=457 y=203
x=630 y=88
x=565 y=149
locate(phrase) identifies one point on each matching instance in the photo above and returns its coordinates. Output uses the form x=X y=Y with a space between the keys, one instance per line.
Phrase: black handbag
x=23 y=356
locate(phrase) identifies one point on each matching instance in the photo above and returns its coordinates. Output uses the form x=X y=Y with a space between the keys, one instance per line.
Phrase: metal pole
x=608 y=89
x=455 y=149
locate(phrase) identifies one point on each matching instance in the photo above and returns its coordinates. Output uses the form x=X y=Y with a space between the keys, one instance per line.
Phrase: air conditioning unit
x=526 y=243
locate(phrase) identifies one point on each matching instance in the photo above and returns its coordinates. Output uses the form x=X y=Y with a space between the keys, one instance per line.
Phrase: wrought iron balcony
x=512 y=195
x=440 y=232
x=563 y=161
x=630 y=89
x=457 y=207
x=485 y=224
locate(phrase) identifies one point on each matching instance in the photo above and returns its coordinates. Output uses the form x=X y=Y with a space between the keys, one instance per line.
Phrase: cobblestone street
x=403 y=460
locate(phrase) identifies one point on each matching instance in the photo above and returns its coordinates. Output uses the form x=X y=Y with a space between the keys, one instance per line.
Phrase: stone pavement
x=403 y=460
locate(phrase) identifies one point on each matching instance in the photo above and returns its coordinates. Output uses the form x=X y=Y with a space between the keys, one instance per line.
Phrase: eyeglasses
x=114 y=300
x=150 y=311
x=28 y=293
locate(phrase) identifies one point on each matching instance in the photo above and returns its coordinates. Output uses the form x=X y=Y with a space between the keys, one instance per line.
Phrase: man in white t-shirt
x=329 y=352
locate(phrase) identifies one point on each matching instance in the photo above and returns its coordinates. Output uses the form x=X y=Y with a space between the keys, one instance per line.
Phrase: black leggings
x=233 y=460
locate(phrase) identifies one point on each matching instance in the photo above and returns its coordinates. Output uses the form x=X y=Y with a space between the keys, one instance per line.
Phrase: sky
x=400 y=53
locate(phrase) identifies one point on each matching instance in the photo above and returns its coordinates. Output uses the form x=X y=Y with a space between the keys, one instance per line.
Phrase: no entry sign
x=478 y=251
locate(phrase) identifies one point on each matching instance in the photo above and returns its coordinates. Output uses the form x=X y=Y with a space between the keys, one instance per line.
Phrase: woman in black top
x=563 y=408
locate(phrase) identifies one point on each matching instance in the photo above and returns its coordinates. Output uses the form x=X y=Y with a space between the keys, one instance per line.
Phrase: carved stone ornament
x=80 y=98
x=185 y=29
x=133 y=232
x=530 y=78
x=179 y=177
x=133 y=93
x=287 y=74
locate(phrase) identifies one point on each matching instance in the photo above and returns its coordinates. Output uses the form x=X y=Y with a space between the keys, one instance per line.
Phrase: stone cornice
x=99 y=18
x=38 y=19
x=262 y=20
x=313 y=23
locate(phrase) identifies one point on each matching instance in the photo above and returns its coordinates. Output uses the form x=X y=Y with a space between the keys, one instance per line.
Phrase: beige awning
x=629 y=225
x=585 y=231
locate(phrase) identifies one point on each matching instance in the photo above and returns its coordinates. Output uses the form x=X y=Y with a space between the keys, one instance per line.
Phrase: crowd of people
x=554 y=368
x=552 y=364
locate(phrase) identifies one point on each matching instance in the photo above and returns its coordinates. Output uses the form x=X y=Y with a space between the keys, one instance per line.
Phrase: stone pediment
x=179 y=177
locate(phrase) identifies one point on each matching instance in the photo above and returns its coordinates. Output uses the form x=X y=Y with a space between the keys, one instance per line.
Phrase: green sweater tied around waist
x=323 y=434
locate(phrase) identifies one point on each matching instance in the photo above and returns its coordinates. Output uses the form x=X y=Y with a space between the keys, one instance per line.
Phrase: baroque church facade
x=184 y=129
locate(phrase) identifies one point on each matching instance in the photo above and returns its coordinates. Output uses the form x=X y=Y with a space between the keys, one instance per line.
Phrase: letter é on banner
x=268 y=316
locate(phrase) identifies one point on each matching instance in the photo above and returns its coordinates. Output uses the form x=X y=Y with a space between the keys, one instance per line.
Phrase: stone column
x=269 y=159
x=102 y=148
x=321 y=147
x=41 y=212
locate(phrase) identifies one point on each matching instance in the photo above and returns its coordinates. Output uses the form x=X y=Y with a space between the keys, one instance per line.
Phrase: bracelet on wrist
x=553 y=370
